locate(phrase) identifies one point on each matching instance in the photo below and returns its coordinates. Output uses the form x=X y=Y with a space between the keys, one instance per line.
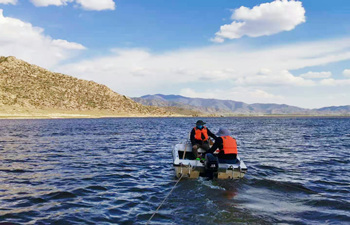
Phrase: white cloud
x=97 y=4
x=265 y=19
x=136 y=72
x=29 y=43
x=316 y=75
x=346 y=73
x=333 y=82
x=44 y=3
x=247 y=95
x=67 y=45
x=272 y=78
x=13 y=2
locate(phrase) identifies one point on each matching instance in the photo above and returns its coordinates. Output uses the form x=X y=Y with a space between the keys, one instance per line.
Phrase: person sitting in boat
x=200 y=137
x=225 y=147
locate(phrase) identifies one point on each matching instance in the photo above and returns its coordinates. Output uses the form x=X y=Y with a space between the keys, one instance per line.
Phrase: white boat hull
x=188 y=166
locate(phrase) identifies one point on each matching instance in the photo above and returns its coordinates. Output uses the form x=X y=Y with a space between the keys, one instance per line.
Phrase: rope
x=164 y=200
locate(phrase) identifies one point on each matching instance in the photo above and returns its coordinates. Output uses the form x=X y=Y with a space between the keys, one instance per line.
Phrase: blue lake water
x=118 y=171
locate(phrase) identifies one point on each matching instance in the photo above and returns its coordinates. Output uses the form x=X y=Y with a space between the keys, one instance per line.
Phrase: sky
x=254 y=51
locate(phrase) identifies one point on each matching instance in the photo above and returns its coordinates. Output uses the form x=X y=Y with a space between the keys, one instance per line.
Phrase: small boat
x=187 y=165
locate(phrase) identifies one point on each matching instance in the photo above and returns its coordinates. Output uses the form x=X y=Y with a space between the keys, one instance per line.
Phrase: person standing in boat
x=225 y=147
x=200 y=137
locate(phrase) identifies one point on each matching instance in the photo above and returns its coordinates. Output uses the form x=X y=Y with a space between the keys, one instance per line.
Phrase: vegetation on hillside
x=28 y=86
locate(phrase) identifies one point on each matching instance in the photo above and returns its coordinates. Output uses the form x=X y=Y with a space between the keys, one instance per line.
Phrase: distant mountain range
x=230 y=107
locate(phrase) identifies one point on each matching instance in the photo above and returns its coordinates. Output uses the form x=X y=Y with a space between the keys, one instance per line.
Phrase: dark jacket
x=194 y=141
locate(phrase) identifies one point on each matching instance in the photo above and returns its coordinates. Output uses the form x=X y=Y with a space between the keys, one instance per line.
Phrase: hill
x=229 y=107
x=26 y=88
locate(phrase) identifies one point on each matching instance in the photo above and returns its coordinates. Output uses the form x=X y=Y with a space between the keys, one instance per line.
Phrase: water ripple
x=118 y=171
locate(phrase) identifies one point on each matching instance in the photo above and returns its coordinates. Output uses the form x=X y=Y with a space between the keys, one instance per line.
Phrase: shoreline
x=11 y=113
x=77 y=116
x=94 y=115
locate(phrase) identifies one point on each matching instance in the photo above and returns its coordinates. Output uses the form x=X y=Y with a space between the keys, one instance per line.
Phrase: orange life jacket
x=229 y=145
x=198 y=134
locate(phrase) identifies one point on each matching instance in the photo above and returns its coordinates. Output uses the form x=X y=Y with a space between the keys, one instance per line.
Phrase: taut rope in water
x=164 y=200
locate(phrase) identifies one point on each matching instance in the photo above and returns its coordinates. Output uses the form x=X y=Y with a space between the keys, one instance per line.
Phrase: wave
x=15 y=170
x=59 y=195
x=280 y=185
x=329 y=203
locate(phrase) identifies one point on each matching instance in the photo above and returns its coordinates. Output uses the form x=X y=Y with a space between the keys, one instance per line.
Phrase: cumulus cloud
x=316 y=75
x=27 y=42
x=67 y=45
x=346 y=73
x=13 y=2
x=261 y=20
x=136 y=72
x=245 y=94
x=44 y=3
x=333 y=82
x=272 y=78
x=97 y=5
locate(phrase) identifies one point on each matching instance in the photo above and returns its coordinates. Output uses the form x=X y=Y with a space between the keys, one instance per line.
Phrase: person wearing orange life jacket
x=200 y=137
x=225 y=146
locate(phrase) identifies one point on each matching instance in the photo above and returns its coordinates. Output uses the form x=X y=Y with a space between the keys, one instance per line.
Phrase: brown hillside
x=30 y=87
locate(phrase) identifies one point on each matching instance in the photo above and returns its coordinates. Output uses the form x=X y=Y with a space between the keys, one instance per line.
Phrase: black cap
x=200 y=122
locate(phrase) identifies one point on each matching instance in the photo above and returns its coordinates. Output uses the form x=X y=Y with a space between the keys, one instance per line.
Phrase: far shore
x=22 y=113
x=96 y=115
x=80 y=116
x=75 y=116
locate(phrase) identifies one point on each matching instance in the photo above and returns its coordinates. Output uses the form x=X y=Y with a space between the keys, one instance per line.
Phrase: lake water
x=118 y=171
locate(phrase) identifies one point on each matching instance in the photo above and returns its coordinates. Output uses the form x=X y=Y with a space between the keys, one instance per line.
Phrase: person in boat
x=200 y=137
x=225 y=147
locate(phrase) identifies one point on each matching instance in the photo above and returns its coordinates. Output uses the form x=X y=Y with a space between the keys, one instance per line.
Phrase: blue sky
x=292 y=52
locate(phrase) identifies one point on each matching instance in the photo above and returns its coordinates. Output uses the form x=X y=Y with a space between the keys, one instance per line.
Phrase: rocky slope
x=26 y=86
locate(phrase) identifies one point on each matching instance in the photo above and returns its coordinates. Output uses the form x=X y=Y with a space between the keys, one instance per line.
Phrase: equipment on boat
x=187 y=165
